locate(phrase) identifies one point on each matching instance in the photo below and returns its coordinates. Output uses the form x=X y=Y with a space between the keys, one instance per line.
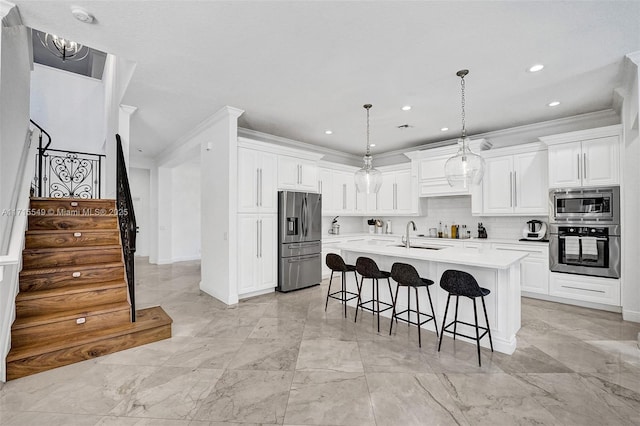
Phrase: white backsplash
x=449 y=211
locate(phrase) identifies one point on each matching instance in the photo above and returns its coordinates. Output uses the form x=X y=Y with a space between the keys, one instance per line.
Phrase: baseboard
x=185 y=258
x=8 y=316
x=590 y=305
x=256 y=293
x=628 y=315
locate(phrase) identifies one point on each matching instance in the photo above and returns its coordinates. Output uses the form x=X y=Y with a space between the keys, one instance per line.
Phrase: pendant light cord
x=464 y=130
x=367 y=107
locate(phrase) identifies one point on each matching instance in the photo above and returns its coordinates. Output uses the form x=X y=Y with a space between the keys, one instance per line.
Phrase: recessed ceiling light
x=372 y=144
x=81 y=15
x=444 y=129
x=536 y=68
x=328 y=132
x=406 y=107
x=554 y=103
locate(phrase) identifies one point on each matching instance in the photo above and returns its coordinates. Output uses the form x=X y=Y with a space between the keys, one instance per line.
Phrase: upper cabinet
x=584 y=158
x=257 y=172
x=515 y=181
x=396 y=195
x=429 y=165
x=296 y=173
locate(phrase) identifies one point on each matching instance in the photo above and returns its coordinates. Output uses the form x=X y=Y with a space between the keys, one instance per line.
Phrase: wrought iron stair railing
x=126 y=221
x=69 y=174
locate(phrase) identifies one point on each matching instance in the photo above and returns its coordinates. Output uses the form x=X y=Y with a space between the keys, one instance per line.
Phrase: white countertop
x=484 y=258
x=416 y=238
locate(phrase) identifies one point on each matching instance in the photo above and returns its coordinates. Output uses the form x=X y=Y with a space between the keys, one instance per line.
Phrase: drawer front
x=588 y=289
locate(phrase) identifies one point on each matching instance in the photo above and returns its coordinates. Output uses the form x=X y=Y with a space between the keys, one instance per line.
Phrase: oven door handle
x=597 y=238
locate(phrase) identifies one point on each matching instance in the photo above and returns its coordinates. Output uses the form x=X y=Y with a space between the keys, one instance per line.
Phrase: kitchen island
x=496 y=270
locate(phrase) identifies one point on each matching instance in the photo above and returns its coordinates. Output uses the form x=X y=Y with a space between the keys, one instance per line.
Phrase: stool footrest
x=333 y=295
x=408 y=319
x=373 y=303
x=485 y=329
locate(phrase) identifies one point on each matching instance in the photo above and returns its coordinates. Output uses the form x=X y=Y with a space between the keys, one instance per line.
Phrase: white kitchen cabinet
x=396 y=195
x=534 y=269
x=257 y=190
x=605 y=291
x=430 y=163
x=343 y=191
x=584 y=158
x=257 y=267
x=325 y=182
x=516 y=184
x=297 y=174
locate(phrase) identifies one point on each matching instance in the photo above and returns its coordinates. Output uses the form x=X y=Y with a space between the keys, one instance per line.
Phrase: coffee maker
x=534 y=230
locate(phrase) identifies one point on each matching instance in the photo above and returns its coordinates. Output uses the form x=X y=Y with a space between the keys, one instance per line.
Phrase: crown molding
x=332 y=154
x=182 y=144
x=9 y=14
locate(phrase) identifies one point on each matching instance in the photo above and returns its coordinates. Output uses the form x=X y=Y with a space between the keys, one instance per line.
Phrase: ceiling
x=298 y=68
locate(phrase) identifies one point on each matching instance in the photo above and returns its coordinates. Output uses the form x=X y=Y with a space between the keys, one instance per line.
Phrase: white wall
x=140 y=183
x=185 y=212
x=15 y=67
x=631 y=193
x=70 y=107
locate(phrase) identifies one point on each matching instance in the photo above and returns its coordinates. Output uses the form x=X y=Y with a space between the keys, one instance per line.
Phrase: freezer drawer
x=299 y=272
x=300 y=249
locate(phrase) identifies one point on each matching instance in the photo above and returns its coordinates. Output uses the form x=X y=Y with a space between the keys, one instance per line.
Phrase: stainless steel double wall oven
x=584 y=231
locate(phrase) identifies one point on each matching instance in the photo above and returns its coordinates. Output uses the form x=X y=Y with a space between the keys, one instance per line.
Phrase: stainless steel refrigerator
x=299 y=240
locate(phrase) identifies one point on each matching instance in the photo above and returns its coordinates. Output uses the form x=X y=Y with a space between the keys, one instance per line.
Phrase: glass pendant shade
x=368 y=179
x=465 y=168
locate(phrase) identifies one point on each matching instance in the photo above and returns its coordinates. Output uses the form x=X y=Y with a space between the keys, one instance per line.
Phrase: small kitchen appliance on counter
x=534 y=230
x=482 y=231
x=335 y=227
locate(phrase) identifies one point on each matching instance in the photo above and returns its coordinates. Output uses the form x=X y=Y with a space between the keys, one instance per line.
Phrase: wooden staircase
x=73 y=302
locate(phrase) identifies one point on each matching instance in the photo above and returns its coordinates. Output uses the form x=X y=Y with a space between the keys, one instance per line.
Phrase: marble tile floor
x=281 y=359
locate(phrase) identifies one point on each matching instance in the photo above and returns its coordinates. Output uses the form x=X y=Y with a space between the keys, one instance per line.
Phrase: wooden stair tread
x=67 y=231
x=146 y=319
x=58 y=291
x=36 y=320
x=70 y=268
x=46 y=250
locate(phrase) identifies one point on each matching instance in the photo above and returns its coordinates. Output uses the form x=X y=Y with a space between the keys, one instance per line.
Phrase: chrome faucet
x=407 y=244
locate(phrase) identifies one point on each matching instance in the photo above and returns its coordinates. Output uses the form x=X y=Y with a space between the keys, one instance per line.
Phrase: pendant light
x=368 y=179
x=464 y=168
x=63 y=48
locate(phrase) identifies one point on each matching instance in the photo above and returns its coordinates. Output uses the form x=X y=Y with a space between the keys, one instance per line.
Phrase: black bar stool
x=406 y=275
x=367 y=268
x=460 y=283
x=335 y=262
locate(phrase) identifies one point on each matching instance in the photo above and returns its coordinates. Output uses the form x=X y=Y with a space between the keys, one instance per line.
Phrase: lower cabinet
x=257 y=252
x=605 y=291
x=534 y=269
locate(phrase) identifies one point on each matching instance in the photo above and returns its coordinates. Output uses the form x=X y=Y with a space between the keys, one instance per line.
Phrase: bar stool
x=367 y=268
x=335 y=262
x=406 y=275
x=459 y=283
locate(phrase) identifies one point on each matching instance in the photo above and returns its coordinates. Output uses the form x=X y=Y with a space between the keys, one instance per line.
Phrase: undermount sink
x=420 y=247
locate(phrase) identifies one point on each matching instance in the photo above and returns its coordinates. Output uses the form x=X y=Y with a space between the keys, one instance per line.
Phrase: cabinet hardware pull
x=515 y=189
x=261 y=238
x=584 y=165
x=257 y=187
x=344 y=196
x=261 y=188
x=510 y=189
x=578 y=156
x=257 y=239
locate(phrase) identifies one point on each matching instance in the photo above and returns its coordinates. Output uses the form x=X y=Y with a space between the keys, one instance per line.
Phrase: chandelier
x=368 y=179
x=464 y=168
x=63 y=48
